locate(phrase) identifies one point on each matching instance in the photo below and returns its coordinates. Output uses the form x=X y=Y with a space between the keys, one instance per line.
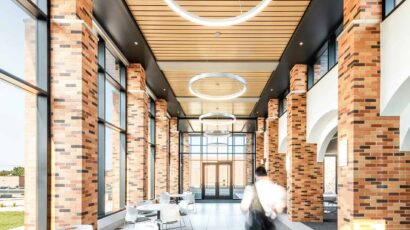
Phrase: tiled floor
x=213 y=216
x=222 y=216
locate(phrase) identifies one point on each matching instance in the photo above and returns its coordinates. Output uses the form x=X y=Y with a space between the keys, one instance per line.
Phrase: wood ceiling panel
x=180 y=80
x=241 y=109
x=173 y=38
x=163 y=28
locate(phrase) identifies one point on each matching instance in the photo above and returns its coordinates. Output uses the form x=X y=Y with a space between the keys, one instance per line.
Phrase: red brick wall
x=162 y=147
x=275 y=160
x=260 y=143
x=374 y=186
x=305 y=177
x=174 y=156
x=137 y=135
x=74 y=122
x=186 y=163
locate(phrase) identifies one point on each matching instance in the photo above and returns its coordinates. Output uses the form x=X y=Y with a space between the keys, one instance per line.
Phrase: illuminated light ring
x=217 y=144
x=217 y=75
x=231 y=117
x=217 y=134
x=217 y=22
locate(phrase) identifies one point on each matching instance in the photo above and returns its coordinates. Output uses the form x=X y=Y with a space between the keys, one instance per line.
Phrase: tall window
x=235 y=150
x=324 y=59
x=283 y=103
x=151 y=148
x=389 y=6
x=23 y=114
x=330 y=163
x=111 y=132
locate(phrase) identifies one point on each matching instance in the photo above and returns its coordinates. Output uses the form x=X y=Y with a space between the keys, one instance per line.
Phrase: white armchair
x=131 y=216
x=189 y=197
x=170 y=216
x=164 y=198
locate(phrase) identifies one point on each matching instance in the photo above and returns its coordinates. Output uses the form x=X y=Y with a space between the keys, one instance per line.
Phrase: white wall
x=283 y=129
x=395 y=69
x=322 y=113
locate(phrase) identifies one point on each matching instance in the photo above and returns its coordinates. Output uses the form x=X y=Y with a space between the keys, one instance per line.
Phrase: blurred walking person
x=262 y=202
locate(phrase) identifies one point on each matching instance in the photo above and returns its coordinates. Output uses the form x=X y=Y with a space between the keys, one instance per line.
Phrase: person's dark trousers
x=259 y=221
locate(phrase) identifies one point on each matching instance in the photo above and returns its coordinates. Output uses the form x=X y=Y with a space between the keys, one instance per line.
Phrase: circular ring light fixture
x=226 y=119
x=217 y=144
x=218 y=75
x=217 y=134
x=217 y=22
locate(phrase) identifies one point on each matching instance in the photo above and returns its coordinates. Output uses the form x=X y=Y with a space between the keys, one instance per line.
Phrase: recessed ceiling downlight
x=233 y=78
x=217 y=22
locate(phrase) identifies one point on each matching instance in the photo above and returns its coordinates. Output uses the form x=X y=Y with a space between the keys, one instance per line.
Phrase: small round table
x=156 y=207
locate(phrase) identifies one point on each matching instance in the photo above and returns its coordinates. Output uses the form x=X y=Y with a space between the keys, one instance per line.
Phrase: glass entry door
x=217 y=180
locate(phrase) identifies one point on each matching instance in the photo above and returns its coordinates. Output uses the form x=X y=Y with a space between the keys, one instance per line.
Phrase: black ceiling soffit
x=320 y=19
x=116 y=19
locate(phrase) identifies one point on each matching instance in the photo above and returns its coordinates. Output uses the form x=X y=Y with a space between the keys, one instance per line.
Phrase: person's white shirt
x=271 y=196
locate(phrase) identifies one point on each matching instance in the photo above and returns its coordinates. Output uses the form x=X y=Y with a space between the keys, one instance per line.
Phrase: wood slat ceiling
x=171 y=37
x=179 y=82
x=240 y=109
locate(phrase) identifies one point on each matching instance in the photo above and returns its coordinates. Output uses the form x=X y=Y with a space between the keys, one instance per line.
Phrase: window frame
x=329 y=45
x=394 y=4
x=39 y=12
x=336 y=166
x=120 y=129
x=151 y=143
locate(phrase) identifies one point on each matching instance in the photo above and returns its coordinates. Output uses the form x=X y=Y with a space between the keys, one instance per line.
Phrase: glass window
x=18 y=43
x=18 y=155
x=217 y=150
x=111 y=133
x=23 y=117
x=330 y=174
x=112 y=104
x=321 y=66
x=111 y=65
x=112 y=170
x=151 y=148
x=283 y=104
x=390 y=5
x=152 y=172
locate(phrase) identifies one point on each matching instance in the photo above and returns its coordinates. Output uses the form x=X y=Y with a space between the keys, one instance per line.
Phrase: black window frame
x=329 y=45
x=38 y=11
x=151 y=143
x=389 y=6
x=282 y=108
x=120 y=85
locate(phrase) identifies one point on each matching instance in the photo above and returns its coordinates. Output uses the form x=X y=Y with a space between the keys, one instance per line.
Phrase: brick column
x=137 y=135
x=186 y=163
x=174 y=156
x=260 y=143
x=162 y=148
x=305 y=177
x=74 y=122
x=275 y=160
x=374 y=185
x=249 y=158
